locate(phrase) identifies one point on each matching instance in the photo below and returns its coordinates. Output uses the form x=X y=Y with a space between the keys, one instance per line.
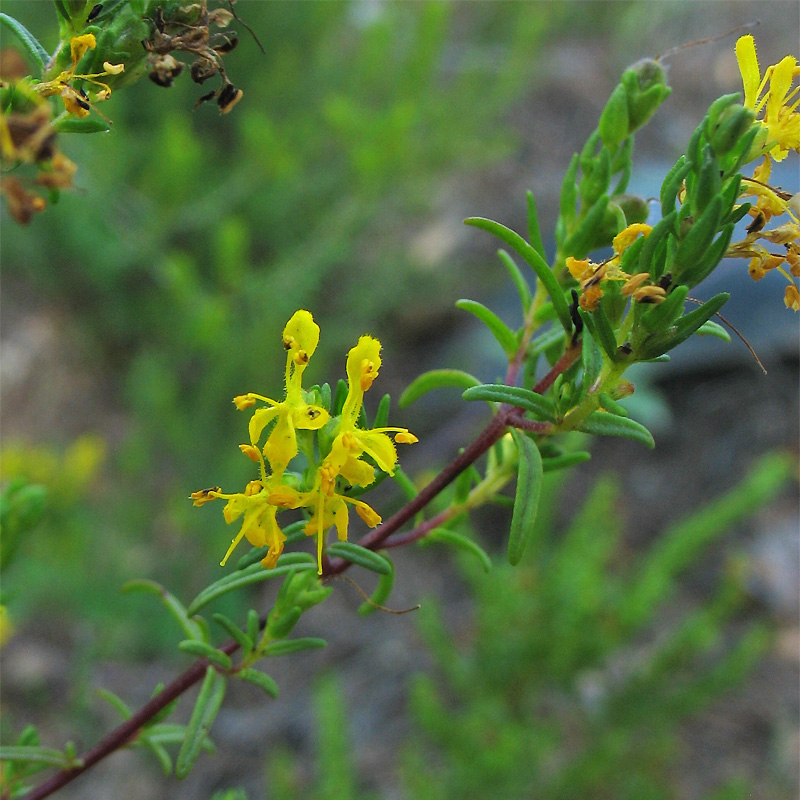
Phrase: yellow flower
x=300 y=338
x=591 y=276
x=76 y=101
x=262 y=499
x=770 y=202
x=331 y=509
x=260 y=503
x=780 y=120
x=350 y=443
x=791 y=297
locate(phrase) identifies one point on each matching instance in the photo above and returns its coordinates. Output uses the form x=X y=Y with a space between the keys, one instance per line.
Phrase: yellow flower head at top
x=780 y=119
x=300 y=339
x=317 y=489
x=349 y=445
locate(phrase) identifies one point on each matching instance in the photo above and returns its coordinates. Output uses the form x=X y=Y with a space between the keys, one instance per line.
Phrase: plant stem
x=507 y=416
x=129 y=729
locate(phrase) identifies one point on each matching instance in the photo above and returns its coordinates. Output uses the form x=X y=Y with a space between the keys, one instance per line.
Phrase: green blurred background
x=140 y=304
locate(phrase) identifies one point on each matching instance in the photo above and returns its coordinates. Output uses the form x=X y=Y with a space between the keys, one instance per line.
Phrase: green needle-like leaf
x=543 y=407
x=288 y=646
x=526 y=501
x=436 y=379
x=536 y=262
x=245 y=577
x=381 y=593
x=518 y=279
x=504 y=335
x=204 y=712
x=40 y=755
x=203 y=650
x=602 y=423
x=179 y=613
x=462 y=542
x=234 y=631
x=29 y=42
x=260 y=679
x=356 y=554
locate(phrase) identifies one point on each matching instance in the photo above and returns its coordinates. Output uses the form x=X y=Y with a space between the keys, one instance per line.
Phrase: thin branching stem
x=507 y=416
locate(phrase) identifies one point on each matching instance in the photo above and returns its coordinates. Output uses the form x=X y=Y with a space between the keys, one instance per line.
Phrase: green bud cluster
x=591 y=212
x=299 y=592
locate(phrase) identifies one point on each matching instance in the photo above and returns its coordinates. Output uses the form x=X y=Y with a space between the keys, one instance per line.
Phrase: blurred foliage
x=561 y=687
x=191 y=238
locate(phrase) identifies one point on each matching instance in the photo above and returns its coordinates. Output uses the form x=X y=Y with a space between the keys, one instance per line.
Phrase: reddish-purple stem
x=493 y=432
x=130 y=728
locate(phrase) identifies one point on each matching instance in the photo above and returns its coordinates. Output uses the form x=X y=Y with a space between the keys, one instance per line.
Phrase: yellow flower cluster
x=591 y=277
x=318 y=493
x=772 y=97
x=76 y=101
x=780 y=120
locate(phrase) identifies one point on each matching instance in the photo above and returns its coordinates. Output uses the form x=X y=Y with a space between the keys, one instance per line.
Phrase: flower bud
x=645 y=83
x=734 y=122
x=613 y=124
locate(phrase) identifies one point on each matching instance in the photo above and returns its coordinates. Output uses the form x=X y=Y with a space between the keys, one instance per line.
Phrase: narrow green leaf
x=260 y=679
x=609 y=404
x=462 y=542
x=436 y=379
x=204 y=712
x=179 y=612
x=504 y=335
x=360 y=555
x=526 y=500
x=36 y=755
x=29 y=42
x=281 y=625
x=288 y=646
x=234 y=631
x=536 y=262
x=591 y=361
x=71 y=124
x=684 y=327
x=602 y=423
x=253 y=624
x=203 y=650
x=534 y=231
x=381 y=593
x=157 y=749
x=599 y=328
x=543 y=407
x=700 y=235
x=237 y=580
x=544 y=342
x=382 y=414
x=564 y=461
x=118 y=703
x=712 y=329
x=29 y=737
x=518 y=279
x=405 y=483
x=663 y=314
x=584 y=237
x=172 y=733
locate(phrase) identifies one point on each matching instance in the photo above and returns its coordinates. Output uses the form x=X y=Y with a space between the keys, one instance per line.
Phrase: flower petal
x=748 y=67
